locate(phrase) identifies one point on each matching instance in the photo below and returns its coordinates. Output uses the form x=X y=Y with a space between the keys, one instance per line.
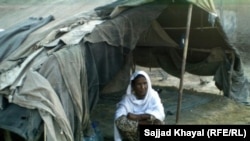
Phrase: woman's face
x=140 y=87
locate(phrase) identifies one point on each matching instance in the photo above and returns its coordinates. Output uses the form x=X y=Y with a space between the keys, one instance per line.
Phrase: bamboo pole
x=184 y=61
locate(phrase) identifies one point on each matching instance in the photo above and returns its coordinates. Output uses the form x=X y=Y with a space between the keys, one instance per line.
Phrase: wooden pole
x=184 y=61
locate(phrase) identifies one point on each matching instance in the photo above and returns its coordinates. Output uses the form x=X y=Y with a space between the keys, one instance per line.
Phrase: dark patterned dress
x=127 y=128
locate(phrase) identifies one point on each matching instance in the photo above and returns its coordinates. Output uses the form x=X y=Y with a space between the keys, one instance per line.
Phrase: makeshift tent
x=54 y=71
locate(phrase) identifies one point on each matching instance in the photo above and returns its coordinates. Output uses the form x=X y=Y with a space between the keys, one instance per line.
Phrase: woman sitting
x=140 y=106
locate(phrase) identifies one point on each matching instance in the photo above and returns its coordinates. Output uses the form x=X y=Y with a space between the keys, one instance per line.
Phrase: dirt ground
x=202 y=102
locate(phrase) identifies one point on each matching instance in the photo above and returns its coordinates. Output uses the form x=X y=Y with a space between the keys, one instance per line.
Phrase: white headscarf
x=151 y=104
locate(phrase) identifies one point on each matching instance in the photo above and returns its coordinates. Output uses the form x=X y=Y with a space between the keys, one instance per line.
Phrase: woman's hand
x=138 y=117
x=133 y=116
x=157 y=122
x=145 y=119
